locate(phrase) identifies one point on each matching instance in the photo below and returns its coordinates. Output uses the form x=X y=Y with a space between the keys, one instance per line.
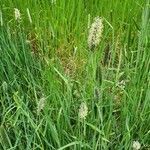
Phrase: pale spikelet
x=17 y=14
x=96 y=94
x=83 y=111
x=40 y=105
x=136 y=145
x=95 y=33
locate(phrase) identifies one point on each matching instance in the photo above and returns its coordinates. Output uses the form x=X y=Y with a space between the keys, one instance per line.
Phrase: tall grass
x=45 y=62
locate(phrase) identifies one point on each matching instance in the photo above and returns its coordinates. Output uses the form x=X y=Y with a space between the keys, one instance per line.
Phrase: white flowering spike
x=41 y=105
x=136 y=145
x=95 y=33
x=17 y=14
x=83 y=111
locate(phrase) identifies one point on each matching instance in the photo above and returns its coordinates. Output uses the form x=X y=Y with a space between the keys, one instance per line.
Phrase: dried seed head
x=136 y=145
x=83 y=111
x=95 y=33
x=41 y=105
x=17 y=14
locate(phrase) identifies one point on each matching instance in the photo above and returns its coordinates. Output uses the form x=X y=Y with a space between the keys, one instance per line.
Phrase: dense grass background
x=45 y=56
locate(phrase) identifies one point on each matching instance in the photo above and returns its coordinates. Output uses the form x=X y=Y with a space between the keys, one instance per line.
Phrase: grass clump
x=60 y=89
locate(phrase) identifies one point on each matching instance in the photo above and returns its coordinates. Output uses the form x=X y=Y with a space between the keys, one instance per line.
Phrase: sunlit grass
x=47 y=72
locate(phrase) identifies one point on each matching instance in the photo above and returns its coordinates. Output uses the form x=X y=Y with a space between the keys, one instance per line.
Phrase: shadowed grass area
x=47 y=71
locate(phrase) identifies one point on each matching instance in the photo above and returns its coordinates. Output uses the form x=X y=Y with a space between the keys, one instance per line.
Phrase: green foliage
x=44 y=55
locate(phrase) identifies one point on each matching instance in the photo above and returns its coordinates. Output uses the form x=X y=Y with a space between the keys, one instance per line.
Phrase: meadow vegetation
x=57 y=92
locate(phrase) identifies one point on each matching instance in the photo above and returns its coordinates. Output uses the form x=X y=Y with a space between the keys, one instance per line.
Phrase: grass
x=45 y=56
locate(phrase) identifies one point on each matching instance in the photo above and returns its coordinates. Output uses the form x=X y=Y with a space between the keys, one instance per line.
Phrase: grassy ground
x=47 y=71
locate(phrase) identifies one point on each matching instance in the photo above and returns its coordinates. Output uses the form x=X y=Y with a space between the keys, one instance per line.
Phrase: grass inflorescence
x=74 y=74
